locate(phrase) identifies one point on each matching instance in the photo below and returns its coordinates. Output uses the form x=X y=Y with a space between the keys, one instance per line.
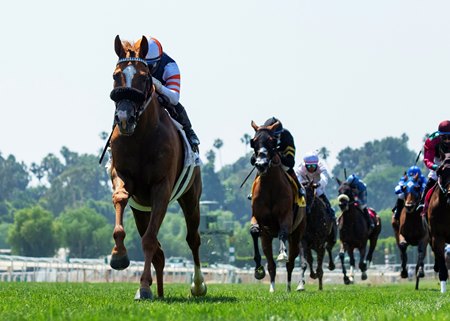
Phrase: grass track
x=114 y=301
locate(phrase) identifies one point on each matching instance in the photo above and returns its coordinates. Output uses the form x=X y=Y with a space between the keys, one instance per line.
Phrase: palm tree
x=324 y=153
x=218 y=143
x=246 y=141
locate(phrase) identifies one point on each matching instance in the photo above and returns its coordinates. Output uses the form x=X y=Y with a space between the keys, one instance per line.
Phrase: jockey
x=436 y=145
x=401 y=185
x=359 y=190
x=313 y=170
x=286 y=149
x=166 y=79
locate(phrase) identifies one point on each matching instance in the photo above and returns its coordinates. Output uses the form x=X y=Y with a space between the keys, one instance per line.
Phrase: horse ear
x=118 y=47
x=143 y=49
x=274 y=126
x=255 y=127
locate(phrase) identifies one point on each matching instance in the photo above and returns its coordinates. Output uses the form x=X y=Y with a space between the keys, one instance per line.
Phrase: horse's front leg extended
x=341 y=258
x=119 y=257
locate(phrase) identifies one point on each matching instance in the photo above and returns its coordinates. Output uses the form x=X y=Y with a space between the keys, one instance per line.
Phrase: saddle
x=427 y=200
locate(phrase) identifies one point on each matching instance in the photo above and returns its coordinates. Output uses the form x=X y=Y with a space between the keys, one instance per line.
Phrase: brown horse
x=147 y=162
x=412 y=228
x=439 y=220
x=273 y=207
x=354 y=233
x=320 y=235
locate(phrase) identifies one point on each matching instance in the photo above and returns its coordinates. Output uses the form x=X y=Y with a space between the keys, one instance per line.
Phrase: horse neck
x=150 y=118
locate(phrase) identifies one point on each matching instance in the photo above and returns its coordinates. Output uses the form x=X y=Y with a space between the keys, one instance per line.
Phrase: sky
x=336 y=73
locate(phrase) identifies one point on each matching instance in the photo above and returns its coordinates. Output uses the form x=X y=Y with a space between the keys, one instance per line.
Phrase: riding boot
x=183 y=119
x=330 y=210
x=370 y=224
x=429 y=185
x=291 y=172
x=398 y=208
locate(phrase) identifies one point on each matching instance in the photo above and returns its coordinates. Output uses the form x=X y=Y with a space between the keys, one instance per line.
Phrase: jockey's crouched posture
x=286 y=150
x=167 y=81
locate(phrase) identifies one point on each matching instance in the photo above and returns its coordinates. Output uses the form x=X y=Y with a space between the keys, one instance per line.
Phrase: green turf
x=115 y=301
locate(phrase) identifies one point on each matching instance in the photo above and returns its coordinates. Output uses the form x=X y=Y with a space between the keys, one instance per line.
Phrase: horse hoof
x=119 y=263
x=420 y=273
x=313 y=276
x=260 y=273
x=331 y=266
x=346 y=280
x=282 y=257
x=364 y=276
x=300 y=286
x=404 y=274
x=143 y=294
x=199 y=290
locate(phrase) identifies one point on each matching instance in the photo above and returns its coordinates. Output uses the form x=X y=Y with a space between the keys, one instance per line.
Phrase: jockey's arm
x=172 y=79
x=287 y=149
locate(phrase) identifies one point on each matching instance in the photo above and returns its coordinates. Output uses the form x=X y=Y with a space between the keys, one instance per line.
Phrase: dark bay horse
x=439 y=220
x=412 y=228
x=354 y=233
x=320 y=235
x=148 y=157
x=273 y=207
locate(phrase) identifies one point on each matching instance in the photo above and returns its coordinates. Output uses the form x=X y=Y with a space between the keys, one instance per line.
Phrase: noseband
x=139 y=99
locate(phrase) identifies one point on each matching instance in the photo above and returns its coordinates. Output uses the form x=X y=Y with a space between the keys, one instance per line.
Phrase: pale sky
x=336 y=73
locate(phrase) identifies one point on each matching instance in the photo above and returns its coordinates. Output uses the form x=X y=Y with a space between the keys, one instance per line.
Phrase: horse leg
x=294 y=249
x=159 y=262
x=402 y=246
x=320 y=255
x=260 y=273
x=309 y=259
x=351 y=256
x=191 y=209
x=266 y=242
x=362 y=262
x=438 y=246
x=301 y=283
x=341 y=258
x=283 y=236
x=331 y=241
x=119 y=256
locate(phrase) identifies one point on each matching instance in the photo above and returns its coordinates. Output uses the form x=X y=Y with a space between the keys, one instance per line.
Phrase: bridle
x=139 y=99
x=265 y=155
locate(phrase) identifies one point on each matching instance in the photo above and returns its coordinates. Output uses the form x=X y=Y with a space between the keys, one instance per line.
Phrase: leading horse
x=411 y=229
x=354 y=233
x=148 y=158
x=273 y=207
x=320 y=235
x=439 y=220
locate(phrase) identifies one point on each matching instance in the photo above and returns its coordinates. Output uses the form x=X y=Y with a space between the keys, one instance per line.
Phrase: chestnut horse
x=273 y=207
x=412 y=228
x=320 y=235
x=148 y=157
x=439 y=220
x=354 y=233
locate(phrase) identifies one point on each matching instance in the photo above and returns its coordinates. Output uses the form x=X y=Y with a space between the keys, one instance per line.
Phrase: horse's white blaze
x=129 y=73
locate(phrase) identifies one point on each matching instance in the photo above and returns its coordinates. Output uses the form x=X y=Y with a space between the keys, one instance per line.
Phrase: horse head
x=264 y=144
x=345 y=195
x=412 y=193
x=443 y=173
x=132 y=84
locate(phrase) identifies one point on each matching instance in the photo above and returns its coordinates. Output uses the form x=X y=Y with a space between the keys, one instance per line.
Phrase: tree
x=14 y=177
x=85 y=232
x=212 y=186
x=246 y=141
x=324 y=153
x=218 y=143
x=33 y=233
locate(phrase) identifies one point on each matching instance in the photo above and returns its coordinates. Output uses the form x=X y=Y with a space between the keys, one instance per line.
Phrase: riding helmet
x=444 y=127
x=413 y=170
x=154 y=53
x=311 y=158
